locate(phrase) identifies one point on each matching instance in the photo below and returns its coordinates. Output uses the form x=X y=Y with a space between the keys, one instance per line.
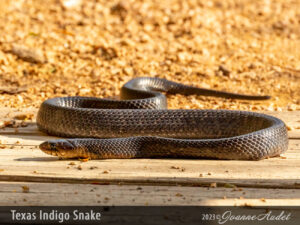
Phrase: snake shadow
x=55 y=158
x=38 y=159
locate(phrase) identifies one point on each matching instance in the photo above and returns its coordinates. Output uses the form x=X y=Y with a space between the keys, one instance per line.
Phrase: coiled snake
x=140 y=126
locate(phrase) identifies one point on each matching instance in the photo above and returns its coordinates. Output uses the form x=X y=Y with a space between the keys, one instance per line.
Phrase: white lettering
x=23 y=216
x=54 y=215
x=86 y=215
x=227 y=216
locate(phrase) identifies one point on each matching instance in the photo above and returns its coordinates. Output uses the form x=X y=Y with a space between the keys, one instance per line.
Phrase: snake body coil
x=140 y=126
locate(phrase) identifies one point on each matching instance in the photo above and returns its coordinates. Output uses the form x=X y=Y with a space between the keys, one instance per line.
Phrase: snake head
x=62 y=148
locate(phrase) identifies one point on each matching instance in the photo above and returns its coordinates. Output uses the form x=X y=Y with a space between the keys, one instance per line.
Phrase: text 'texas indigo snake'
x=140 y=126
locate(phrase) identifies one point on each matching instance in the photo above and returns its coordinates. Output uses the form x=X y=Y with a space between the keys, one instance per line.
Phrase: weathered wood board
x=21 y=160
x=33 y=165
x=202 y=182
x=59 y=194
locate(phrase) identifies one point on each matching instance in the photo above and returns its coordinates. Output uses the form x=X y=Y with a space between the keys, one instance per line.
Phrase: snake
x=139 y=125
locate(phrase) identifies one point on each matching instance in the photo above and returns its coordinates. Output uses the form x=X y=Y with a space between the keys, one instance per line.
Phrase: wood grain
x=43 y=194
x=25 y=163
x=274 y=179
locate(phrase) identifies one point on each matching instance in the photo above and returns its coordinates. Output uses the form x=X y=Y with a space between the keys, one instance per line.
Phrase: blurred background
x=54 y=48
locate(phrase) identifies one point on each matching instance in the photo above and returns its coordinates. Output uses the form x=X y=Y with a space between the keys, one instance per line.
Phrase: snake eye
x=52 y=146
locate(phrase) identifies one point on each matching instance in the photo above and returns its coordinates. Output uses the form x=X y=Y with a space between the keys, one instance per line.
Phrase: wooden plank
x=7 y=112
x=31 y=164
x=21 y=157
x=291 y=119
x=44 y=194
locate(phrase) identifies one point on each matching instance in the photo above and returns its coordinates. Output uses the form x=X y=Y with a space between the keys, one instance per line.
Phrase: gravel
x=91 y=48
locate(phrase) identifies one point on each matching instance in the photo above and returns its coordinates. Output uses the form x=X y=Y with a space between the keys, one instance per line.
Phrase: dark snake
x=140 y=126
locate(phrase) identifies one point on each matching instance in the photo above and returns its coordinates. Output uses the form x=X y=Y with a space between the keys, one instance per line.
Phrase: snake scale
x=141 y=126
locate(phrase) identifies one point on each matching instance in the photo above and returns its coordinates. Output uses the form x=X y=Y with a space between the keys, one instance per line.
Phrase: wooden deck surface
x=50 y=181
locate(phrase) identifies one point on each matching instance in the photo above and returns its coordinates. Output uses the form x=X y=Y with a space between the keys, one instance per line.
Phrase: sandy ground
x=59 y=48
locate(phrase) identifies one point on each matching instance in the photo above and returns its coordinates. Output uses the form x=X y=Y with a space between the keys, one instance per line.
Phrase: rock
x=28 y=54
x=224 y=70
x=71 y=4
